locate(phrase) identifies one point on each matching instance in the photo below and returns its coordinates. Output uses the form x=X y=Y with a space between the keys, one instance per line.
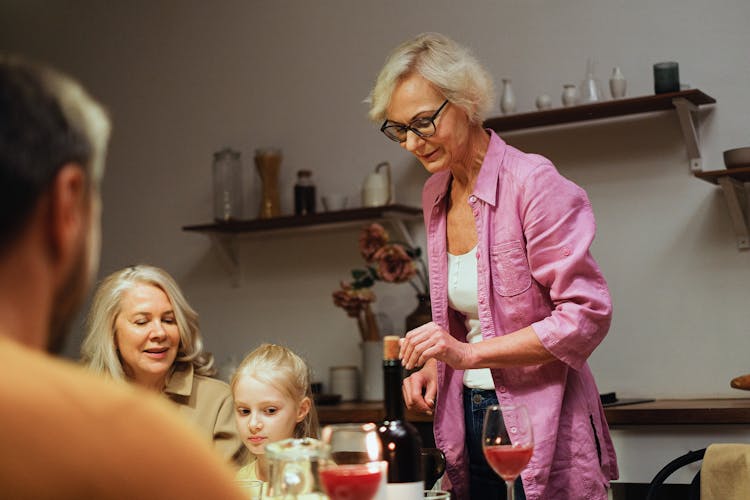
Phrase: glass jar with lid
x=304 y=193
x=227 y=180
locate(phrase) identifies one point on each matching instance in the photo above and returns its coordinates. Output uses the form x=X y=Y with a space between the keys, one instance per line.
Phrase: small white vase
x=508 y=99
x=543 y=102
x=617 y=83
x=569 y=94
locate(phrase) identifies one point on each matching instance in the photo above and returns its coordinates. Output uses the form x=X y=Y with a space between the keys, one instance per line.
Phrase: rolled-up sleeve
x=559 y=227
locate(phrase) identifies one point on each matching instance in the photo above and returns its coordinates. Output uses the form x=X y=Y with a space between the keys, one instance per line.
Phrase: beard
x=67 y=300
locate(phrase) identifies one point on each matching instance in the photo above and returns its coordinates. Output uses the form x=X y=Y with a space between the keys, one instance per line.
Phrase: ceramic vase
x=569 y=94
x=507 y=99
x=543 y=102
x=617 y=83
x=421 y=315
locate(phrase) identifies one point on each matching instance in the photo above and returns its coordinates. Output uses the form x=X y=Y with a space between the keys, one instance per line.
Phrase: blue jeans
x=484 y=483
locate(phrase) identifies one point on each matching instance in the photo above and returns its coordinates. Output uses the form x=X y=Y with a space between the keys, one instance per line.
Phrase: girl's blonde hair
x=99 y=352
x=288 y=373
x=449 y=66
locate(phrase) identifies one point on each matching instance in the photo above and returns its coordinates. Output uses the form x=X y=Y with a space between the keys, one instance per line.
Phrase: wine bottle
x=402 y=446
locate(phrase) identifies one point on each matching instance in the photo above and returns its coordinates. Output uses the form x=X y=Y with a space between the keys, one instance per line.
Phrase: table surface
x=659 y=412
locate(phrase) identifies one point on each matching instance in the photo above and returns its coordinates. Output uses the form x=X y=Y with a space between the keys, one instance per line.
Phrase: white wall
x=183 y=79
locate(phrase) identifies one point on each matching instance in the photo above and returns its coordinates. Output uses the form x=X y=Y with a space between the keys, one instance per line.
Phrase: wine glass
x=507 y=441
x=352 y=465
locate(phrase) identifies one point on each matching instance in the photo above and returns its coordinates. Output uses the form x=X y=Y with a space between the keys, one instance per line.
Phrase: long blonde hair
x=99 y=352
x=287 y=372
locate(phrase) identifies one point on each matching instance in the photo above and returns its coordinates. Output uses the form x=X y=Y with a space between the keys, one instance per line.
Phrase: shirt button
x=472 y=199
x=513 y=430
x=502 y=388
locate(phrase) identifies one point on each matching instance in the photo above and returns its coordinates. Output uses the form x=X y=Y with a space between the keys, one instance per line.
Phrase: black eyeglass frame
x=408 y=127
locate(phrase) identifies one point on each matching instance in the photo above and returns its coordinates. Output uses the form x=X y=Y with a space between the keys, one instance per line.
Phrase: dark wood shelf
x=681 y=412
x=597 y=110
x=741 y=174
x=659 y=412
x=312 y=220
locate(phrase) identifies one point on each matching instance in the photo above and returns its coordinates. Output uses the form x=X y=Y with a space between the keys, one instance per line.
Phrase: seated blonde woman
x=141 y=329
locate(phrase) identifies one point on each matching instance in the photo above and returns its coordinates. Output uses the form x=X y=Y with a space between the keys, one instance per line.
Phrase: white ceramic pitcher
x=377 y=189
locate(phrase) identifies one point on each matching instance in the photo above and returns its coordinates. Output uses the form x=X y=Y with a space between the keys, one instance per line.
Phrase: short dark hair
x=46 y=120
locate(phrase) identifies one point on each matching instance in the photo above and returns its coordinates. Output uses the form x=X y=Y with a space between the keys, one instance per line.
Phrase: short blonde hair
x=444 y=63
x=287 y=372
x=99 y=352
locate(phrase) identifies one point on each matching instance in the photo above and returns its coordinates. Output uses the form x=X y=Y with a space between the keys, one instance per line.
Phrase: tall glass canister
x=227 y=178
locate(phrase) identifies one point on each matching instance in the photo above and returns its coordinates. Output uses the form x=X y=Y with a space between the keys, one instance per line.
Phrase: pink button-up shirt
x=534 y=231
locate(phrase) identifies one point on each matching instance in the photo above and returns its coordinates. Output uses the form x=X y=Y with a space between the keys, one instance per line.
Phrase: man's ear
x=68 y=211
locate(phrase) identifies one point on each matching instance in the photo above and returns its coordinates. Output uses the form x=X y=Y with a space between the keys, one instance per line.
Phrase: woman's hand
x=420 y=389
x=430 y=341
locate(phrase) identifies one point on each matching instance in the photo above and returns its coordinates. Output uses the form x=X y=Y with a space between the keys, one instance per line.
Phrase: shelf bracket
x=685 y=110
x=737 y=202
x=227 y=247
x=400 y=226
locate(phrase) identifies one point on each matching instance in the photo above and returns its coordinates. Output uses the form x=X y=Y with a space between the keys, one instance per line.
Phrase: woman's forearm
x=519 y=348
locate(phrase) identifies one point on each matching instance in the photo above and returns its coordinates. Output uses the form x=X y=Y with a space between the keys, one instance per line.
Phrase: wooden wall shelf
x=739 y=174
x=225 y=235
x=597 y=110
x=318 y=220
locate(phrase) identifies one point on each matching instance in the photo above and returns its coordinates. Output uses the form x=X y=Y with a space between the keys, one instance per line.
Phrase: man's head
x=53 y=139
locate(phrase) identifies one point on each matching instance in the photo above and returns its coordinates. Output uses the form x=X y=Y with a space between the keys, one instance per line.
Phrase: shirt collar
x=181 y=381
x=486 y=185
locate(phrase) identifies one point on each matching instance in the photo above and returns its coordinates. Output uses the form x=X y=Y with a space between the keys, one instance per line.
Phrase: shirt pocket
x=510 y=268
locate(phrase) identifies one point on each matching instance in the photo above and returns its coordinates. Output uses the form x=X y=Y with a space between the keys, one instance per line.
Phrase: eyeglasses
x=423 y=127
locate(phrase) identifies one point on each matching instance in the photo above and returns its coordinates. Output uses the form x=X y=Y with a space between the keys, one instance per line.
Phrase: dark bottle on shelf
x=402 y=446
x=304 y=193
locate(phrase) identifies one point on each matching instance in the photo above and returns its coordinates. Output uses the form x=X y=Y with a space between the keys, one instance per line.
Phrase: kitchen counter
x=659 y=412
x=361 y=412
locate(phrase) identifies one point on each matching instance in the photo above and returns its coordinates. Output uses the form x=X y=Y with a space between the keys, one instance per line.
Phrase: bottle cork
x=391 y=347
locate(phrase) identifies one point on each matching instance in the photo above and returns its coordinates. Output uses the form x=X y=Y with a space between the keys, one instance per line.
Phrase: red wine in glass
x=351 y=466
x=349 y=482
x=507 y=441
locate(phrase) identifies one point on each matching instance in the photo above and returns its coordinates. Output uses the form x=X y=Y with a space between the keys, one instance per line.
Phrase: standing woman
x=518 y=302
x=141 y=329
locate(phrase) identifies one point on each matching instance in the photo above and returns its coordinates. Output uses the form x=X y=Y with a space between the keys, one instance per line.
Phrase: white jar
x=569 y=94
x=543 y=102
x=345 y=381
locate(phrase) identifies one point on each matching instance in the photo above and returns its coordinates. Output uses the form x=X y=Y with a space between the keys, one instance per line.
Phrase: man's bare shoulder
x=73 y=433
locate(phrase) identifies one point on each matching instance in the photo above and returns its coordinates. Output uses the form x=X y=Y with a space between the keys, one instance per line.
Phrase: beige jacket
x=207 y=402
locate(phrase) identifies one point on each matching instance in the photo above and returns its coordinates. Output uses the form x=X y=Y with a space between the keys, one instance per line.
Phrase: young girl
x=272 y=401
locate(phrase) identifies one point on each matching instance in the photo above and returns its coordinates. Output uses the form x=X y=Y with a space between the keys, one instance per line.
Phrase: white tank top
x=462 y=296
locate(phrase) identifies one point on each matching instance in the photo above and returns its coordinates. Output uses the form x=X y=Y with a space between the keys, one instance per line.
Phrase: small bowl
x=737 y=158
